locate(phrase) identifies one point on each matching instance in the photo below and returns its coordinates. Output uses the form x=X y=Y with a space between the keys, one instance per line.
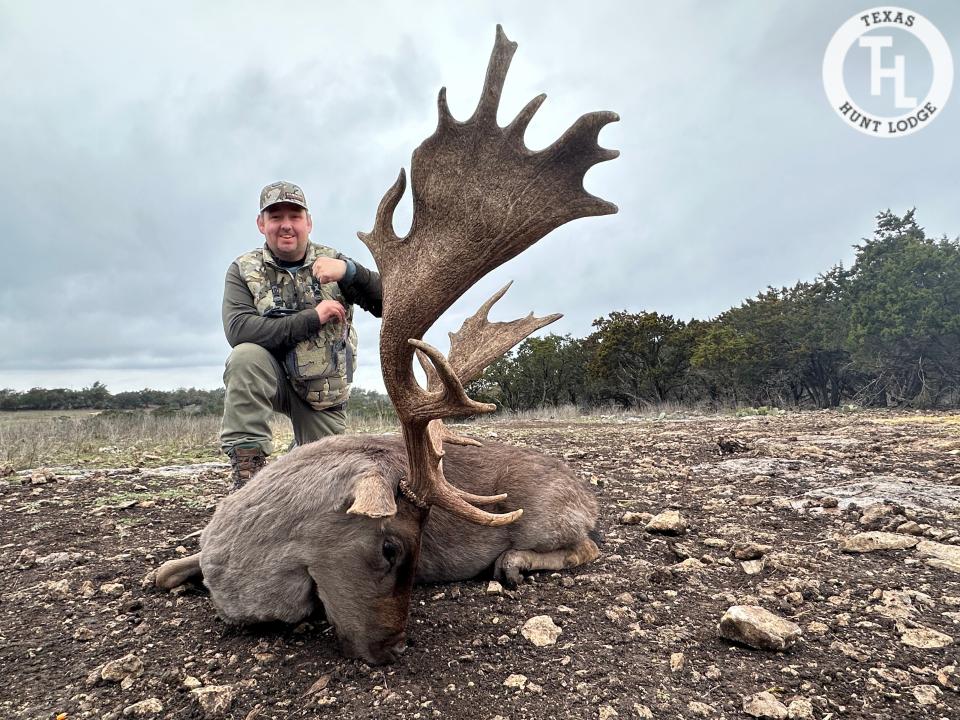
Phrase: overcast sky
x=135 y=138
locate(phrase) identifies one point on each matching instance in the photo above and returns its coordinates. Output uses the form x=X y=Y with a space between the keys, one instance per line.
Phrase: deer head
x=480 y=197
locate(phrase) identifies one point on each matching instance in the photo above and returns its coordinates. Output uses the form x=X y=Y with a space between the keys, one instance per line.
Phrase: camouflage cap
x=282 y=191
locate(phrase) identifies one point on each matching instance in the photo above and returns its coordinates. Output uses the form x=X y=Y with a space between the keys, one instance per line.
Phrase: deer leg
x=512 y=563
x=177 y=572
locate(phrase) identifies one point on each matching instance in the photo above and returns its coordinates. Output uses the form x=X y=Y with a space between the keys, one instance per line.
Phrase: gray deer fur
x=287 y=539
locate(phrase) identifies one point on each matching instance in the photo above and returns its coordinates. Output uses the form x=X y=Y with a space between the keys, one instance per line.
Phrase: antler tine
x=579 y=145
x=479 y=342
x=383 y=232
x=518 y=127
x=503 y=50
x=451 y=399
x=450 y=499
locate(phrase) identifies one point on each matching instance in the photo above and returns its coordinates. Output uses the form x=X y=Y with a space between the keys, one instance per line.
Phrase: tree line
x=884 y=332
x=366 y=403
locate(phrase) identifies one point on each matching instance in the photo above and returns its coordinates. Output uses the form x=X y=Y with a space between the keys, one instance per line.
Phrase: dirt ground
x=639 y=626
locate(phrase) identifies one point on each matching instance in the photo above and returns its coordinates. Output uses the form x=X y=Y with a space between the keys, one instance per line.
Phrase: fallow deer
x=351 y=522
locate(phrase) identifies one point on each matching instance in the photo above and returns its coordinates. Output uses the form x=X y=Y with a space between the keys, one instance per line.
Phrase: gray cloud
x=134 y=150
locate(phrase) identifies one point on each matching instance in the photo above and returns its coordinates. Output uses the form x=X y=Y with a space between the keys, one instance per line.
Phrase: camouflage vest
x=320 y=368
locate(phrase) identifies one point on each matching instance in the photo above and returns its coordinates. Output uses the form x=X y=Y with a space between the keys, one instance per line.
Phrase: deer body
x=286 y=541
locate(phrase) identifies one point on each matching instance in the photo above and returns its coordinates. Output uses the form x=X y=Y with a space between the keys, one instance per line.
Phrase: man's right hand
x=331 y=310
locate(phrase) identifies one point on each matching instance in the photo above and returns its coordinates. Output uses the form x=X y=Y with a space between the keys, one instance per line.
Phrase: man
x=287 y=314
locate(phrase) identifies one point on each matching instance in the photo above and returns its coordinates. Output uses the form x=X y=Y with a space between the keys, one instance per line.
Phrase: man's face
x=287 y=229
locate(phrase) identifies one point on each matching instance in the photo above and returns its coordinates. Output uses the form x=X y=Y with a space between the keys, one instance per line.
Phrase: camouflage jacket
x=271 y=306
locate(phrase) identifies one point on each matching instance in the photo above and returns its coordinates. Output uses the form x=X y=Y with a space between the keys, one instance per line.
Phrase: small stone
x=634 y=518
x=911 y=527
x=927 y=694
x=874 y=514
x=515 y=681
x=25 y=560
x=625 y=598
x=93 y=677
x=690 y=565
x=949 y=678
x=894 y=676
x=677 y=661
x=606 y=712
x=128 y=666
x=758 y=628
x=794 y=599
x=620 y=614
x=150 y=706
x=718 y=543
x=58 y=588
x=828 y=501
x=749 y=551
x=494 y=588
x=948 y=555
x=112 y=589
x=873 y=541
x=921 y=637
x=753 y=567
x=817 y=628
x=849 y=651
x=83 y=634
x=191 y=683
x=699 y=709
x=751 y=500
x=765 y=705
x=87 y=590
x=669 y=522
x=215 y=700
x=541 y=630
x=59 y=559
x=800 y=709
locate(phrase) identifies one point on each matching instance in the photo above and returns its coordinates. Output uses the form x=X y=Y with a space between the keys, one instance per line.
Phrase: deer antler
x=480 y=198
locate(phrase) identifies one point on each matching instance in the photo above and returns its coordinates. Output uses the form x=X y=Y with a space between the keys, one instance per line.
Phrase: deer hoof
x=507 y=572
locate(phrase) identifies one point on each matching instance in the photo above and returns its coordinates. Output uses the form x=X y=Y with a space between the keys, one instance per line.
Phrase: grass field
x=30 y=439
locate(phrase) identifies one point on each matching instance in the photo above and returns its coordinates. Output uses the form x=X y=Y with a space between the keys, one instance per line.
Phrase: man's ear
x=373 y=496
x=260 y=225
x=309 y=223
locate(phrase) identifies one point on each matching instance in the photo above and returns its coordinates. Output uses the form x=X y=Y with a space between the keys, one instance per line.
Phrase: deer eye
x=391 y=551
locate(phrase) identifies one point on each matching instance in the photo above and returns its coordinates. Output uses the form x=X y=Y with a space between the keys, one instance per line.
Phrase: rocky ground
x=844 y=528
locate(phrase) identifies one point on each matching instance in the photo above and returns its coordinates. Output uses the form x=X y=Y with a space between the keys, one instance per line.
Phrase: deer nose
x=389 y=650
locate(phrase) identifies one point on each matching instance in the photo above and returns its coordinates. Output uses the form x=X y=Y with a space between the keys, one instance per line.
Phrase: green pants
x=256 y=387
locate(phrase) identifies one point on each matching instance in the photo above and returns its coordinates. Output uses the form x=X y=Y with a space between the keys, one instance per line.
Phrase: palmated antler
x=480 y=198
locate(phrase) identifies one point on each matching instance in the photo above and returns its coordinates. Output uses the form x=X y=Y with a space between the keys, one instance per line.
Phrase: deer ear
x=373 y=496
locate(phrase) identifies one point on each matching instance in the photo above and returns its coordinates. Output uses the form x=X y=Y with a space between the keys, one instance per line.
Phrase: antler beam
x=480 y=197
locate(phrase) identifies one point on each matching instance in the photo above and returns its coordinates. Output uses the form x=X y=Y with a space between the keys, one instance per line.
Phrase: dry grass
x=36 y=439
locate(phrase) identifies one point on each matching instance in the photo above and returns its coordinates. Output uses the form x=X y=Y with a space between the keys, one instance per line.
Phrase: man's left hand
x=328 y=269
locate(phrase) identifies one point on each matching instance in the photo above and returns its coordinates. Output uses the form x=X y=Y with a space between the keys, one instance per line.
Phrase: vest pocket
x=314 y=360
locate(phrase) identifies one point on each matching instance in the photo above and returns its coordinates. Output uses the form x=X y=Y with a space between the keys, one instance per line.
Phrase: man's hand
x=331 y=310
x=328 y=269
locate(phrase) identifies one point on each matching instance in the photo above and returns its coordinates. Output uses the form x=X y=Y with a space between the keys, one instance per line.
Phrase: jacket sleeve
x=364 y=289
x=242 y=323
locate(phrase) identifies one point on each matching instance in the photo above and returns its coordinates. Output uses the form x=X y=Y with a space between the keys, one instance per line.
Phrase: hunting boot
x=246 y=462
